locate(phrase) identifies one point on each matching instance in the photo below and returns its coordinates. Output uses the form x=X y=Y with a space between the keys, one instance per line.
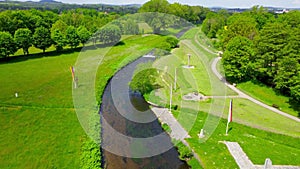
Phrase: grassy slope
x=269 y=96
x=266 y=95
x=39 y=129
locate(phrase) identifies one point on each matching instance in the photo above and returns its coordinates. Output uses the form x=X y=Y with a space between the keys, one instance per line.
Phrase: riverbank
x=178 y=135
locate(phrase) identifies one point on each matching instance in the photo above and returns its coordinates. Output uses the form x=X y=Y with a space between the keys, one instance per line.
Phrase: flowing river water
x=120 y=111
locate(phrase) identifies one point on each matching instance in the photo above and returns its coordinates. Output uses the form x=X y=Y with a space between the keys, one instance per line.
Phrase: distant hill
x=49 y=1
x=58 y=7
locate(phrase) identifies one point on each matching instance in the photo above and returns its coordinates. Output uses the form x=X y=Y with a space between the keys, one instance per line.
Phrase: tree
x=6 y=22
x=261 y=16
x=72 y=37
x=288 y=70
x=131 y=27
x=42 y=38
x=84 y=34
x=59 y=25
x=155 y=6
x=72 y=18
x=110 y=34
x=23 y=39
x=58 y=38
x=273 y=38
x=238 y=59
x=239 y=25
x=7 y=45
x=291 y=18
x=214 y=22
x=295 y=90
x=145 y=81
x=159 y=21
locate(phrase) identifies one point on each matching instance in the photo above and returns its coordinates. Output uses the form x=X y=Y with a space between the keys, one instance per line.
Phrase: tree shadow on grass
x=21 y=58
x=295 y=106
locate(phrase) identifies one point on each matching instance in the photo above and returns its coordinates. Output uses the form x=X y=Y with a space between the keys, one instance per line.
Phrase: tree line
x=21 y=29
x=25 y=28
x=259 y=45
x=59 y=7
x=193 y=14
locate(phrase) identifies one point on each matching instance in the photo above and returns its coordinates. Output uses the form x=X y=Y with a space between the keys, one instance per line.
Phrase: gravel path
x=242 y=94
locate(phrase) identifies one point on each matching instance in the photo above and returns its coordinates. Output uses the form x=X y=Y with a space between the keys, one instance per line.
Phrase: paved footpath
x=177 y=131
x=244 y=162
x=242 y=94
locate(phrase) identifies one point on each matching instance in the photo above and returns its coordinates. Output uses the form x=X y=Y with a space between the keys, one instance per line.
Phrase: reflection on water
x=128 y=114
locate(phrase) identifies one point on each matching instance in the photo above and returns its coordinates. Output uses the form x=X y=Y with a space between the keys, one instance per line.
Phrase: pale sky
x=206 y=3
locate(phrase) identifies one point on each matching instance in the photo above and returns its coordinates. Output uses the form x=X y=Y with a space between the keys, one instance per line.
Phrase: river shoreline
x=164 y=160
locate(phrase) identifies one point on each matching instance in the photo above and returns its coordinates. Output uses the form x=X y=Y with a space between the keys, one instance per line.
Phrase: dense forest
x=259 y=46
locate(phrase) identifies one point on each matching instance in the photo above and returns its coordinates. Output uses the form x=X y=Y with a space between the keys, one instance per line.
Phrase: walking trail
x=242 y=94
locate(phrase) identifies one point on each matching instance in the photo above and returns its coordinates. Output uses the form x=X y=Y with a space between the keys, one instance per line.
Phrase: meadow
x=39 y=128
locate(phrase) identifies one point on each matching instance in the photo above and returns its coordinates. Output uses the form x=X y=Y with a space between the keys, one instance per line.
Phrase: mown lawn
x=267 y=95
x=39 y=129
x=257 y=144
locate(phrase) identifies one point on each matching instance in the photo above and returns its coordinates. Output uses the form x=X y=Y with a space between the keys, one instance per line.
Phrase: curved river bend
x=127 y=114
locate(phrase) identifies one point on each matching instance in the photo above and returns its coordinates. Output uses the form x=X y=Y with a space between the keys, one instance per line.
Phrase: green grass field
x=40 y=129
x=269 y=96
x=257 y=144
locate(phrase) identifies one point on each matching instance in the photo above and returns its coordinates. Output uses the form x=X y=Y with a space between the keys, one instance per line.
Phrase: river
x=127 y=122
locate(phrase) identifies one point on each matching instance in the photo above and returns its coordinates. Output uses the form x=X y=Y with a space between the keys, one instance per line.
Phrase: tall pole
x=171 y=97
x=189 y=57
x=229 y=116
x=175 y=85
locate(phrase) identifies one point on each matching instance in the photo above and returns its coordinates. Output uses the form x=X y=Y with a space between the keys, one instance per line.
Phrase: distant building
x=282 y=11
